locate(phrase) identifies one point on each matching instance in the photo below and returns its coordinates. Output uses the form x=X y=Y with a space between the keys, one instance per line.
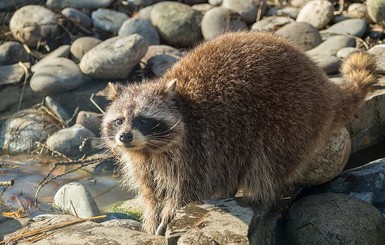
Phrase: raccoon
x=243 y=111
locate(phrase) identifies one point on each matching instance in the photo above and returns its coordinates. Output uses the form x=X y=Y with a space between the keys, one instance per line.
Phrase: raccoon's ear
x=114 y=90
x=170 y=87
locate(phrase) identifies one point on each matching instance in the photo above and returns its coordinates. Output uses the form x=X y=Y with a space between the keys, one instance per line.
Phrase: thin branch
x=96 y=104
x=82 y=162
x=39 y=232
x=24 y=83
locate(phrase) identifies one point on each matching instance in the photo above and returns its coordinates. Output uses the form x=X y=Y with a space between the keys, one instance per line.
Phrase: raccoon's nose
x=125 y=137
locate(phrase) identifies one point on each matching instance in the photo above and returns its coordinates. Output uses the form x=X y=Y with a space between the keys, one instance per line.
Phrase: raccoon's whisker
x=102 y=145
x=151 y=147
x=168 y=130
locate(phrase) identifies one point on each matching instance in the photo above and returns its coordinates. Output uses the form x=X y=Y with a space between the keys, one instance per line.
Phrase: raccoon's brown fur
x=242 y=111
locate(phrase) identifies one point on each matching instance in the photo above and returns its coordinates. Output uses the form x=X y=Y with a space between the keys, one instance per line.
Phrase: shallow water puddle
x=28 y=170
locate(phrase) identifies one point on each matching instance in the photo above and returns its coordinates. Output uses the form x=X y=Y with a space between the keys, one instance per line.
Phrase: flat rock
x=90 y=120
x=329 y=160
x=303 y=35
x=177 y=23
x=81 y=46
x=376 y=10
x=108 y=20
x=219 y=20
x=13 y=74
x=58 y=75
x=32 y=24
x=114 y=58
x=75 y=199
x=330 y=64
x=86 y=233
x=29 y=126
x=62 y=51
x=354 y=27
x=142 y=27
x=271 y=23
x=68 y=140
x=345 y=52
x=77 y=16
x=331 y=45
x=159 y=64
x=317 y=13
x=12 y=52
x=124 y=223
x=78 y=4
x=379 y=52
x=223 y=221
x=332 y=218
x=246 y=9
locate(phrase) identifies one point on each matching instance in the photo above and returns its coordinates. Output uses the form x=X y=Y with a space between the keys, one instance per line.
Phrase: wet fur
x=247 y=111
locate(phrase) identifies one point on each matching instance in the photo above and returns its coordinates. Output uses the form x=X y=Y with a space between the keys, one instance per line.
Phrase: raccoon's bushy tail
x=359 y=73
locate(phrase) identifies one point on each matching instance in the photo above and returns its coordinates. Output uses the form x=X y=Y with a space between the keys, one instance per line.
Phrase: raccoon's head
x=142 y=117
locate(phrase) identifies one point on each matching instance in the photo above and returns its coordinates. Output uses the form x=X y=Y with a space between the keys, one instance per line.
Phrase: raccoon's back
x=251 y=80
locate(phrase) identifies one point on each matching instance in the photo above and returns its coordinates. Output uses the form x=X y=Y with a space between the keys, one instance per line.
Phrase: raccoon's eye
x=146 y=125
x=119 y=122
x=143 y=121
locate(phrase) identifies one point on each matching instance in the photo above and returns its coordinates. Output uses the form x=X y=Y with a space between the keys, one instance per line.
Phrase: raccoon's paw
x=161 y=230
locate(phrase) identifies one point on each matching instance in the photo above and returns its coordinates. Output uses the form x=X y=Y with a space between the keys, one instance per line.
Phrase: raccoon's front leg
x=168 y=213
x=152 y=210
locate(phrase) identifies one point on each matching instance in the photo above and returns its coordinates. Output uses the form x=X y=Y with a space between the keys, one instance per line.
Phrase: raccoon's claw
x=161 y=230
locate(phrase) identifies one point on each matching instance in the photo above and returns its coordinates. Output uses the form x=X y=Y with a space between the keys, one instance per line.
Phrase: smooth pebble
x=32 y=24
x=77 y=16
x=246 y=9
x=56 y=76
x=345 y=52
x=317 y=13
x=354 y=27
x=142 y=27
x=12 y=52
x=81 y=46
x=219 y=20
x=271 y=23
x=108 y=20
x=68 y=140
x=114 y=58
x=78 y=4
x=331 y=45
x=75 y=199
x=303 y=35
x=177 y=23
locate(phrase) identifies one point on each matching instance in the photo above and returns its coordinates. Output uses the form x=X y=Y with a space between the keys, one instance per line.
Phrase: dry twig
x=83 y=162
x=35 y=235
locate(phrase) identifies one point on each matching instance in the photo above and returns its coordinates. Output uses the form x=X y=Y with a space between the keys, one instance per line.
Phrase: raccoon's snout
x=126 y=137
